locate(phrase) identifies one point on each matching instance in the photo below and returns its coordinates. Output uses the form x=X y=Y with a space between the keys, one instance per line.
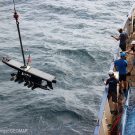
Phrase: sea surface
x=70 y=39
x=130 y=122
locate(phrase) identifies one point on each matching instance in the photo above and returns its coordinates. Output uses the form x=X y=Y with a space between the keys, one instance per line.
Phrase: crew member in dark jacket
x=112 y=89
x=122 y=38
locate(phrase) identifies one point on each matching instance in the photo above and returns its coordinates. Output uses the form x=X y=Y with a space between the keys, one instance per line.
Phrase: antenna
x=16 y=16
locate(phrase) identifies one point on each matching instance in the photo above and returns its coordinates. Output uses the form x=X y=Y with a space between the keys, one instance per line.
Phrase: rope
x=16 y=16
x=116 y=122
x=14 y=5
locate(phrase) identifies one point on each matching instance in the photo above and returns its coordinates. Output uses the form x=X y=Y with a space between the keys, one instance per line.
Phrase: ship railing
x=124 y=114
x=104 y=115
x=129 y=23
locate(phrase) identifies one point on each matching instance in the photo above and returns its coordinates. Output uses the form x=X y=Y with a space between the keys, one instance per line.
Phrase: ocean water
x=70 y=39
x=130 y=121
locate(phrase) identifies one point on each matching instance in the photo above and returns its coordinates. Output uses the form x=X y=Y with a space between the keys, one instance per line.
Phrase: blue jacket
x=121 y=66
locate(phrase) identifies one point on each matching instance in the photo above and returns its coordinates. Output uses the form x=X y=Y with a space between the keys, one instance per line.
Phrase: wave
x=77 y=54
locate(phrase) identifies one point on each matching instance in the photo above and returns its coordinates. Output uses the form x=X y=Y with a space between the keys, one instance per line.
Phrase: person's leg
x=110 y=101
x=123 y=83
x=125 y=86
x=120 y=87
x=109 y=95
x=120 y=84
x=114 y=100
x=123 y=47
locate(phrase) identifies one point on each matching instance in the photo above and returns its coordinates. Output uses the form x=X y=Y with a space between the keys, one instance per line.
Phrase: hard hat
x=111 y=72
x=122 y=54
x=133 y=42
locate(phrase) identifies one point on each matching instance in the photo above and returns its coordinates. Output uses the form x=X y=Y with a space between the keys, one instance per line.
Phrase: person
x=122 y=38
x=132 y=52
x=112 y=89
x=121 y=66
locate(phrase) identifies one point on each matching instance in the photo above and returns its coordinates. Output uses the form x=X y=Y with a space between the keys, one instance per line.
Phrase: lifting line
x=16 y=16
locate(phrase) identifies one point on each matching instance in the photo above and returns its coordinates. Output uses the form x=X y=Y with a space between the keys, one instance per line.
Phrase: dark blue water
x=69 y=39
x=130 y=123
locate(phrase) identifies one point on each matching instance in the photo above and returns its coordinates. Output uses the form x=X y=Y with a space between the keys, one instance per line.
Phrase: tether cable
x=16 y=16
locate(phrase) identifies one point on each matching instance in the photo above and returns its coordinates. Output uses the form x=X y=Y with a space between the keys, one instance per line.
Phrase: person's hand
x=104 y=82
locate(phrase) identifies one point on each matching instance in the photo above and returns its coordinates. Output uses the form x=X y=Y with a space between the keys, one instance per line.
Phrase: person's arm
x=132 y=53
x=115 y=67
x=117 y=38
x=107 y=81
x=128 y=51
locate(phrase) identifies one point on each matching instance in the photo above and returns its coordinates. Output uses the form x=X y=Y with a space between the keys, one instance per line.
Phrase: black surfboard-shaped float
x=32 y=77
